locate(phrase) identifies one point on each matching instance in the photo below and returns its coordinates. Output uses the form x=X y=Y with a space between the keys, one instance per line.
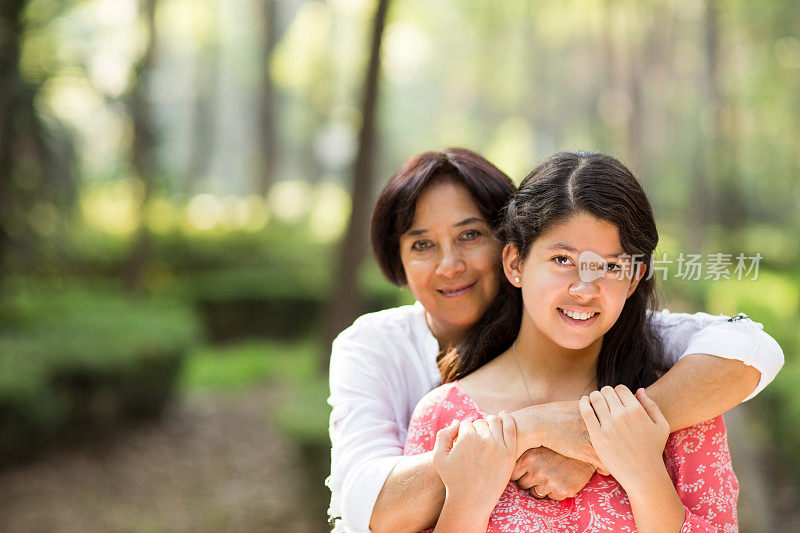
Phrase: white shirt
x=384 y=363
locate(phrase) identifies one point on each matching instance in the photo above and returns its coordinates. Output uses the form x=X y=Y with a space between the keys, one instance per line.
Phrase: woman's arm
x=700 y=387
x=367 y=399
x=411 y=498
x=719 y=362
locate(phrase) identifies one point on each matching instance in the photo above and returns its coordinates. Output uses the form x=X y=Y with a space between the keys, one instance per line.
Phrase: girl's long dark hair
x=567 y=184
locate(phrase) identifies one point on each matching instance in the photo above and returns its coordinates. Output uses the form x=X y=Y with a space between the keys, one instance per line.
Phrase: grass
x=249 y=364
x=303 y=415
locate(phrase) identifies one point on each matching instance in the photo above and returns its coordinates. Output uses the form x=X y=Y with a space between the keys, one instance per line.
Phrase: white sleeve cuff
x=360 y=492
x=722 y=341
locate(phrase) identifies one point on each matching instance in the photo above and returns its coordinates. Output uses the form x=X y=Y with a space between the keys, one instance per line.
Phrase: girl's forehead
x=581 y=232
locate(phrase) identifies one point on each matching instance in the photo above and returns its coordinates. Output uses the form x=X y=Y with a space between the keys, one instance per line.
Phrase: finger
x=529 y=480
x=613 y=401
x=651 y=408
x=495 y=426
x=538 y=492
x=509 y=431
x=482 y=428
x=445 y=438
x=589 y=416
x=466 y=428
x=600 y=406
x=523 y=464
x=626 y=396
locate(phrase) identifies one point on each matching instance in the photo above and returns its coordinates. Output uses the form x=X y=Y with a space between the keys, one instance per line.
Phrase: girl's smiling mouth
x=456 y=291
x=578 y=318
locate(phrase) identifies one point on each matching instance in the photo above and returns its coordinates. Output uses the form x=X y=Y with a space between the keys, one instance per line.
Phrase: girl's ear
x=511 y=265
x=637 y=277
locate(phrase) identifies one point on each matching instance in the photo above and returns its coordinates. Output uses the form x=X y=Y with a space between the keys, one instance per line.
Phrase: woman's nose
x=451 y=263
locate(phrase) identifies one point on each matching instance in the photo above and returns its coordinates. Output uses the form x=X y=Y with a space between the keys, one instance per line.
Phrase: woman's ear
x=511 y=265
x=636 y=278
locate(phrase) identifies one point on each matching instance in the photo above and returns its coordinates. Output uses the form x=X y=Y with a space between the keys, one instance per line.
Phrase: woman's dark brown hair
x=567 y=184
x=394 y=211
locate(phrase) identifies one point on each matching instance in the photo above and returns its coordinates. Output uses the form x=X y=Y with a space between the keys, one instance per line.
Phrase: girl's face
x=450 y=259
x=574 y=281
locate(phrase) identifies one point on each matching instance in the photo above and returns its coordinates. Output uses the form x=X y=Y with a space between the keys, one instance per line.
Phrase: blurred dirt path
x=213 y=463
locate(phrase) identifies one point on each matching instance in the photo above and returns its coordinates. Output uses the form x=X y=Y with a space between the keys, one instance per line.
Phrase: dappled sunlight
x=330 y=212
x=405 y=51
x=156 y=201
x=111 y=207
x=203 y=212
x=290 y=201
x=511 y=147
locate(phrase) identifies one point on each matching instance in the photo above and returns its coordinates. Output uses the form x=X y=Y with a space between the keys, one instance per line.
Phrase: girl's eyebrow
x=570 y=249
x=465 y=222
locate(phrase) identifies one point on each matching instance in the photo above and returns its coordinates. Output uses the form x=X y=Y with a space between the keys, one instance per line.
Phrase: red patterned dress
x=697 y=459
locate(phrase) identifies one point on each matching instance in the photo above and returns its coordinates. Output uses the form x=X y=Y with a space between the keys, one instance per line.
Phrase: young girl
x=570 y=318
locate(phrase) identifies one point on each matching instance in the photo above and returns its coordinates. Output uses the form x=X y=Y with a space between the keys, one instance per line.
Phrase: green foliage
x=85 y=356
x=246 y=364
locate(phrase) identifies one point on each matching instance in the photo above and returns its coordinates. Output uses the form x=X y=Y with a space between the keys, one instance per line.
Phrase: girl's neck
x=543 y=361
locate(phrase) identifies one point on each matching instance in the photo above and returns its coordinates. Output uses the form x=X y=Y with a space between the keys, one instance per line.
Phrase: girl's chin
x=569 y=342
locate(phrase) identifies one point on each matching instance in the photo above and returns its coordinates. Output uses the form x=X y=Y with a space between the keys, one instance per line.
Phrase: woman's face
x=450 y=259
x=574 y=281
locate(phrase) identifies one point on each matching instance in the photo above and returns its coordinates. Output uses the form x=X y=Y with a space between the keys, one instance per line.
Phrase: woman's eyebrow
x=465 y=222
x=468 y=221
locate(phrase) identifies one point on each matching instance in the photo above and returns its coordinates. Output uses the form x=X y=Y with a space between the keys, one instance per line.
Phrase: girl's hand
x=475 y=460
x=628 y=432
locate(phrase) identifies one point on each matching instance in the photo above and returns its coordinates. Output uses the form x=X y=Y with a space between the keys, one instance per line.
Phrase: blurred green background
x=185 y=188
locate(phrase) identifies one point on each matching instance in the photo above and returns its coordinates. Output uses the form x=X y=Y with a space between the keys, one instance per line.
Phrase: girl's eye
x=471 y=234
x=562 y=260
x=613 y=267
x=420 y=246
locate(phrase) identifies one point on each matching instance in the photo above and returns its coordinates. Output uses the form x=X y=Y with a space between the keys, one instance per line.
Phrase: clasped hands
x=477 y=459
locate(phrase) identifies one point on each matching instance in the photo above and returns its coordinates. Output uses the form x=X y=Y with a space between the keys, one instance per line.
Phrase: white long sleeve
x=731 y=338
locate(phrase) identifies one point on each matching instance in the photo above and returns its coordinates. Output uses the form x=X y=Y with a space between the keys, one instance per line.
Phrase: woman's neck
x=447 y=337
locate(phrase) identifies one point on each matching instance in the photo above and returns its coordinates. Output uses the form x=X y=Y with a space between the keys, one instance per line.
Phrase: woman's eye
x=613 y=267
x=420 y=246
x=562 y=260
x=471 y=234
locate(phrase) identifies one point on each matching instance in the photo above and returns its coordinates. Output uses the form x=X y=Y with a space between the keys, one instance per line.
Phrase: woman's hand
x=474 y=460
x=543 y=472
x=628 y=432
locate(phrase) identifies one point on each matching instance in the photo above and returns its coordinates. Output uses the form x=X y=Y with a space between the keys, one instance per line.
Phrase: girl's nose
x=584 y=290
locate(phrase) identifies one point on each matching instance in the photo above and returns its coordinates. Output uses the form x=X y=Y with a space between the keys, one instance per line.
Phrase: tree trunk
x=269 y=137
x=722 y=167
x=203 y=135
x=10 y=92
x=347 y=300
x=143 y=157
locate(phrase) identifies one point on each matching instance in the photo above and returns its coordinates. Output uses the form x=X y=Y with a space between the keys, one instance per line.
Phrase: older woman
x=433 y=232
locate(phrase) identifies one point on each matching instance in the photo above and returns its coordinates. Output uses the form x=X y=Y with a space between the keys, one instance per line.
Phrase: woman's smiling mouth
x=456 y=291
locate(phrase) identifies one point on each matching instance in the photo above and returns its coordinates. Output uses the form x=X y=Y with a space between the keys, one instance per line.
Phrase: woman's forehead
x=445 y=204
